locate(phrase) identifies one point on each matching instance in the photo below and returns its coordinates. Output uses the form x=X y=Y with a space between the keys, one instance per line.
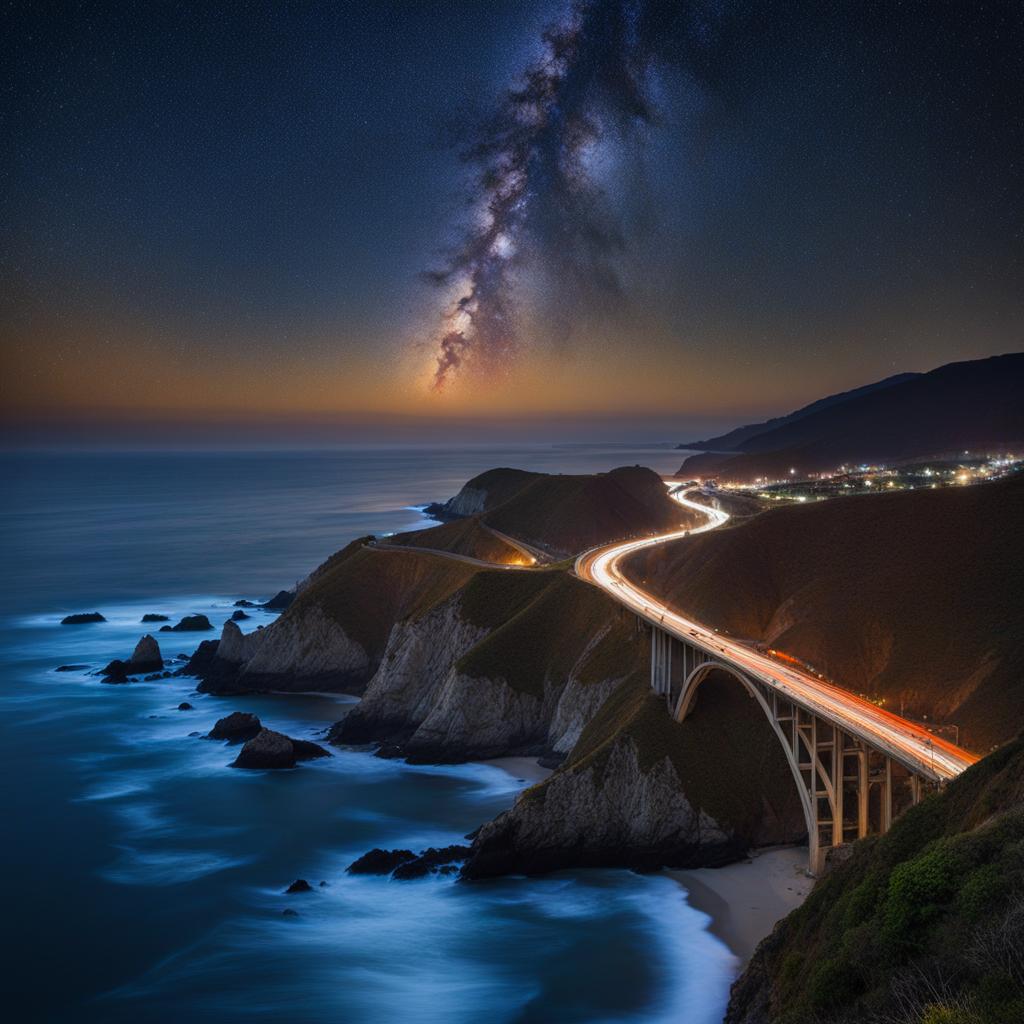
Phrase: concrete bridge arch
x=847 y=789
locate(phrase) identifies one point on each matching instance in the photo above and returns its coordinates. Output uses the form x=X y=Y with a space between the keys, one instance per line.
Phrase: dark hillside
x=462 y=537
x=734 y=439
x=366 y=590
x=969 y=405
x=567 y=514
x=559 y=514
x=915 y=597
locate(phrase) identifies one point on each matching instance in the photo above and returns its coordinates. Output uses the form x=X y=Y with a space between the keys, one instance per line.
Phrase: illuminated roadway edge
x=914 y=747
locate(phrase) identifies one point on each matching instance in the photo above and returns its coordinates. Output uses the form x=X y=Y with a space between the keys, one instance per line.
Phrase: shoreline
x=520 y=767
x=747 y=899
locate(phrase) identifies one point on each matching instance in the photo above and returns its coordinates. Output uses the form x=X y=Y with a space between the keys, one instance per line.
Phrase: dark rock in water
x=323 y=885
x=155 y=617
x=70 y=668
x=299 y=885
x=239 y=616
x=245 y=604
x=307 y=750
x=181 y=657
x=185 y=706
x=189 y=624
x=389 y=751
x=439 y=510
x=267 y=749
x=165 y=675
x=236 y=727
x=80 y=618
x=146 y=657
x=288 y=912
x=115 y=672
x=448 y=869
x=380 y=862
x=215 y=673
x=430 y=859
x=281 y=600
x=153 y=677
x=195 y=734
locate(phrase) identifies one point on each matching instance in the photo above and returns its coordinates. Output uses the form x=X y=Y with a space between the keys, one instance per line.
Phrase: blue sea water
x=144 y=878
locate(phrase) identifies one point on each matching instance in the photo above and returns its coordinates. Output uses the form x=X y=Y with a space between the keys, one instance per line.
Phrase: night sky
x=416 y=219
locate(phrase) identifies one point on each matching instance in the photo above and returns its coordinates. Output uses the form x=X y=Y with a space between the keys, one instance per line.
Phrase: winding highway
x=913 y=746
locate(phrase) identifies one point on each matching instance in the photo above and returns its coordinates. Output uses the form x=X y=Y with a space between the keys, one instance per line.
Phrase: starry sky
x=418 y=219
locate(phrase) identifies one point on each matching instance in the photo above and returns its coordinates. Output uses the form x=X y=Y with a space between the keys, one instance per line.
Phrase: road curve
x=910 y=744
x=454 y=556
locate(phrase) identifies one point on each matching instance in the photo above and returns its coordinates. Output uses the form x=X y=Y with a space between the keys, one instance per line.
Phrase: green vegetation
x=367 y=590
x=501 y=484
x=925 y=923
x=462 y=537
x=568 y=514
x=546 y=621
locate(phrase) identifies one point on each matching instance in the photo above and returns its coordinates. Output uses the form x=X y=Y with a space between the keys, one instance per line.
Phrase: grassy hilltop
x=559 y=514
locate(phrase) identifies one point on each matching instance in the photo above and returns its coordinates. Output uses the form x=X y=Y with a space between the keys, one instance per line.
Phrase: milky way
x=538 y=208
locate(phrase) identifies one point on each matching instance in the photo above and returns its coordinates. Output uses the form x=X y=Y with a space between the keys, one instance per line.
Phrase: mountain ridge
x=964 y=405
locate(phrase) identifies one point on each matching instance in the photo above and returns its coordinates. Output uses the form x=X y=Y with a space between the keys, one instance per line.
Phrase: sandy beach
x=745 y=900
x=521 y=768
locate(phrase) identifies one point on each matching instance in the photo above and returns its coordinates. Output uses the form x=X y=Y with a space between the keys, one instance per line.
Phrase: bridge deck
x=918 y=750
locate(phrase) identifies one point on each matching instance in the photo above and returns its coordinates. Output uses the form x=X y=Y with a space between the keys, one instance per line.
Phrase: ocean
x=144 y=877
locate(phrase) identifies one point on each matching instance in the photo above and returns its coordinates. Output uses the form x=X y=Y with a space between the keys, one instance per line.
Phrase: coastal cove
x=174 y=865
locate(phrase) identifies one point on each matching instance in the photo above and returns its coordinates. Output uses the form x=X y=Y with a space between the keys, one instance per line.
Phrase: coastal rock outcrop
x=379 y=862
x=145 y=658
x=154 y=617
x=270 y=749
x=509 y=664
x=305 y=651
x=81 y=618
x=405 y=865
x=236 y=727
x=643 y=791
x=612 y=813
x=189 y=624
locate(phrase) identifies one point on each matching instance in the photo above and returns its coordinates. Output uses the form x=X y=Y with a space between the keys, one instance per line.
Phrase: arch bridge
x=856 y=765
x=849 y=787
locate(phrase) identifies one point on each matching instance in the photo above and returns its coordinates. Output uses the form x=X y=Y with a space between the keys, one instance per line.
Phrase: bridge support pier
x=848 y=789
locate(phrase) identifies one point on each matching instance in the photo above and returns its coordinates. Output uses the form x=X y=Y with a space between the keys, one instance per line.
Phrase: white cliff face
x=468 y=502
x=236 y=646
x=612 y=812
x=483 y=717
x=577 y=705
x=417 y=660
x=306 y=645
x=418 y=698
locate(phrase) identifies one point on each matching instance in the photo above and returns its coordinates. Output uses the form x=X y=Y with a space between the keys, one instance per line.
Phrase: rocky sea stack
x=237 y=727
x=269 y=749
x=146 y=658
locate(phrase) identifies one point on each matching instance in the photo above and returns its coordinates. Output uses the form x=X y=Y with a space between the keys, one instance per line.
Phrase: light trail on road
x=910 y=744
